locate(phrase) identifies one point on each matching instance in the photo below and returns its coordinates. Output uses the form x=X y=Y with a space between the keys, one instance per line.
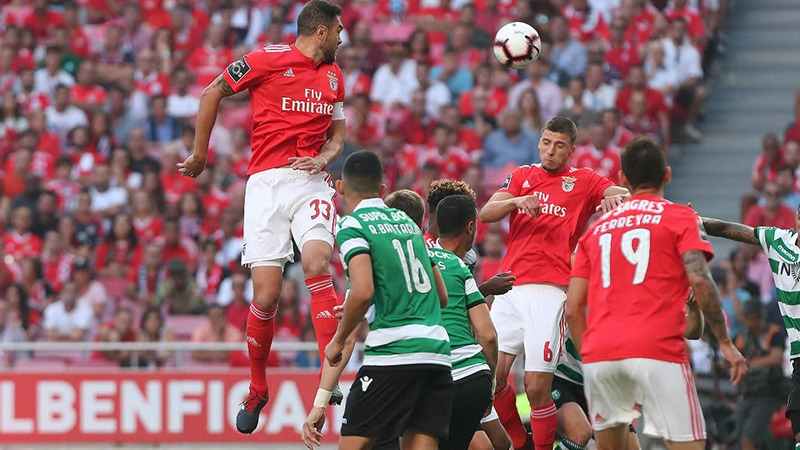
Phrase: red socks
x=544 y=420
x=323 y=299
x=505 y=402
x=260 y=330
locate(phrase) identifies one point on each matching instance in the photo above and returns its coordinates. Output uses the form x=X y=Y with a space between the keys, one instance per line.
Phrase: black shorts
x=385 y=401
x=565 y=391
x=471 y=398
x=793 y=403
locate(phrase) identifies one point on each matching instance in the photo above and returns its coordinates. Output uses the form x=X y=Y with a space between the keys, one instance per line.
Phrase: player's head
x=644 y=165
x=444 y=188
x=320 y=20
x=557 y=143
x=409 y=202
x=362 y=177
x=455 y=216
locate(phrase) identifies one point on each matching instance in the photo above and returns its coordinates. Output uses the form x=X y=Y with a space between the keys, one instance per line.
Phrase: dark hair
x=644 y=163
x=444 y=188
x=314 y=14
x=753 y=308
x=148 y=312
x=454 y=213
x=563 y=125
x=409 y=202
x=363 y=173
x=786 y=168
x=24 y=307
x=64 y=161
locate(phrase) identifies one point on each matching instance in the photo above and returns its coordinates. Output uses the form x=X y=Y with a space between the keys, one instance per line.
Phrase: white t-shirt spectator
x=436 y=96
x=602 y=98
x=389 y=88
x=65 y=322
x=113 y=196
x=61 y=122
x=225 y=292
x=551 y=99
x=182 y=106
x=45 y=83
x=685 y=60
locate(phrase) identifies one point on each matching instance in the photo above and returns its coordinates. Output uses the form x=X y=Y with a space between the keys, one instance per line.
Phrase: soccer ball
x=517 y=45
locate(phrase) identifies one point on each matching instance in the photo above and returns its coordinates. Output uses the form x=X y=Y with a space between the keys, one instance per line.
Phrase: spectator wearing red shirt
x=452 y=160
x=496 y=96
x=239 y=305
x=213 y=199
x=86 y=93
x=620 y=53
x=584 y=21
x=21 y=243
x=27 y=96
x=176 y=246
x=174 y=184
x=768 y=162
x=146 y=223
x=290 y=320
x=118 y=330
x=8 y=73
x=209 y=272
x=681 y=8
x=657 y=110
x=148 y=79
x=612 y=121
x=364 y=128
x=491 y=262
x=773 y=213
x=42 y=20
x=78 y=41
x=119 y=251
x=186 y=31
x=209 y=60
x=599 y=155
x=143 y=279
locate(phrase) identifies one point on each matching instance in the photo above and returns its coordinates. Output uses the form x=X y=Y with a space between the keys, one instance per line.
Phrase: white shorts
x=281 y=204
x=665 y=391
x=492 y=416
x=530 y=319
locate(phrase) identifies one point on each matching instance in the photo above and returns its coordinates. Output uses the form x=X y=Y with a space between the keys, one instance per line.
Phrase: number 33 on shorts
x=320 y=208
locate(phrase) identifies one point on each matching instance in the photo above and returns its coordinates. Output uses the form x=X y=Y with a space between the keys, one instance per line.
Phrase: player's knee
x=537 y=394
x=266 y=299
x=316 y=264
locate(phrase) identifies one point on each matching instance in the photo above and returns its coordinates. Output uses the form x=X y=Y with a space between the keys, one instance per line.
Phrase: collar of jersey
x=370 y=203
x=309 y=61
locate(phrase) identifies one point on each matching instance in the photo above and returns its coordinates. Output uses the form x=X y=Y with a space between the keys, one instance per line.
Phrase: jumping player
x=783 y=249
x=549 y=206
x=404 y=387
x=634 y=266
x=297 y=96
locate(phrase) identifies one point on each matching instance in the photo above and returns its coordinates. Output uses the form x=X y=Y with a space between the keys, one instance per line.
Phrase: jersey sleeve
x=599 y=186
x=351 y=239
x=581 y=267
x=689 y=233
x=474 y=296
x=248 y=71
x=513 y=183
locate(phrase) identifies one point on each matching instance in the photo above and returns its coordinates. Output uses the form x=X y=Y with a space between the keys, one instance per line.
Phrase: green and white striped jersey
x=569 y=363
x=784 y=260
x=407 y=326
x=462 y=294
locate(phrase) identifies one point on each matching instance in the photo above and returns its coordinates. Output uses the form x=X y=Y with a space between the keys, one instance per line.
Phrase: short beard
x=329 y=57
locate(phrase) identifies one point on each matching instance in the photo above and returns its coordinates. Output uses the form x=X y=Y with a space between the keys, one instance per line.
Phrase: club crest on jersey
x=334 y=81
x=569 y=183
x=237 y=70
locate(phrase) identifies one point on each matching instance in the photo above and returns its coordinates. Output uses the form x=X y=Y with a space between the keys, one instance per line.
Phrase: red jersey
x=148 y=228
x=655 y=102
x=452 y=164
x=430 y=241
x=584 y=27
x=23 y=246
x=604 y=162
x=621 y=137
x=91 y=95
x=206 y=63
x=292 y=99
x=632 y=258
x=539 y=249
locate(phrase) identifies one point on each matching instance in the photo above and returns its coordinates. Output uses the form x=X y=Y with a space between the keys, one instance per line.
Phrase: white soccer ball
x=517 y=45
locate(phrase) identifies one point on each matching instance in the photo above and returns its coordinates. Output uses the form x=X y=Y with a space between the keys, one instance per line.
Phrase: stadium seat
x=184 y=325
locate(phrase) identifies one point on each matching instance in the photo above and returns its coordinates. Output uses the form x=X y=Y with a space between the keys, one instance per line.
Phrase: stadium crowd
x=104 y=240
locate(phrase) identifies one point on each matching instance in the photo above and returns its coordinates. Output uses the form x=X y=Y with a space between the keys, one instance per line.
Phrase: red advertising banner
x=150 y=407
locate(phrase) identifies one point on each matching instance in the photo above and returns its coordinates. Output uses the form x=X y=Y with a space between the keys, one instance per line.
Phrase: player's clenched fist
x=193 y=166
x=333 y=352
x=498 y=284
x=528 y=205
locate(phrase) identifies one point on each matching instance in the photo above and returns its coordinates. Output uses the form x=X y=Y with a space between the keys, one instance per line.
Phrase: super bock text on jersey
x=405 y=380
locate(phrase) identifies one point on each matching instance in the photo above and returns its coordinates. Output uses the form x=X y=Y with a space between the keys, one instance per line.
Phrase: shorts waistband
x=286 y=173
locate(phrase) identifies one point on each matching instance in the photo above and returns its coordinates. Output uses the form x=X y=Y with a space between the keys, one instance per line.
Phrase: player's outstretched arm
x=355 y=306
x=613 y=197
x=194 y=165
x=502 y=203
x=707 y=296
x=730 y=230
x=694 y=319
x=575 y=309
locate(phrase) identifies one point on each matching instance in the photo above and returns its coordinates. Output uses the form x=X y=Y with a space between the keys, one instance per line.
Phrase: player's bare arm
x=575 y=309
x=441 y=288
x=502 y=203
x=356 y=305
x=707 y=297
x=694 y=319
x=330 y=151
x=730 y=230
x=613 y=197
x=498 y=284
x=212 y=95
